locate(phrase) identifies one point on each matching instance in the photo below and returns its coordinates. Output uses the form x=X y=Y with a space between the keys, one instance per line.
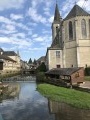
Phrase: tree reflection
x=63 y=111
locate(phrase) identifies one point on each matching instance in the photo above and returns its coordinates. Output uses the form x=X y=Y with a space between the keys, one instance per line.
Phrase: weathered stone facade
x=72 y=40
x=10 y=62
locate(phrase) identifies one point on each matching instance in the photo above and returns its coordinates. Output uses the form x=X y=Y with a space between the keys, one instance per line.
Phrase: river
x=29 y=104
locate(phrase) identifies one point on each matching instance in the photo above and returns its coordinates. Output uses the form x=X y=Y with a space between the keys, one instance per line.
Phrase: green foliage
x=40 y=77
x=87 y=71
x=35 y=62
x=42 y=67
x=30 y=61
x=70 y=96
x=87 y=78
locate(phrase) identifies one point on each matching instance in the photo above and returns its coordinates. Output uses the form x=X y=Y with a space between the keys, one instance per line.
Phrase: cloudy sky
x=25 y=25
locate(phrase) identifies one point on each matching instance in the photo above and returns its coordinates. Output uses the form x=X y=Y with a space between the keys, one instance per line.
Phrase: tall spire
x=57 y=14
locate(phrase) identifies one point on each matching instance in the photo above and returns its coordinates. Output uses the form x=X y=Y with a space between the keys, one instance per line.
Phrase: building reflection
x=10 y=92
x=63 y=111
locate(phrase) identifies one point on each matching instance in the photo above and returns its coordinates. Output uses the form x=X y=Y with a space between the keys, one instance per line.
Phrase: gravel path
x=85 y=85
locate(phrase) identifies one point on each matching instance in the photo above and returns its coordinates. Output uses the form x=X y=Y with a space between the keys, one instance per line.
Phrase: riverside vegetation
x=70 y=96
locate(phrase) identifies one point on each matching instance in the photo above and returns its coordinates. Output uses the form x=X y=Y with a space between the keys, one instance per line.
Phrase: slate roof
x=9 y=53
x=6 y=58
x=76 y=11
x=57 y=14
x=63 y=71
x=41 y=59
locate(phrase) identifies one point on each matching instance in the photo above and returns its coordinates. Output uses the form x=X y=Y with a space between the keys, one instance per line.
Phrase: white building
x=70 y=40
x=10 y=61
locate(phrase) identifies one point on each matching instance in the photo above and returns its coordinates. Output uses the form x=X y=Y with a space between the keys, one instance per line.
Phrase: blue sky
x=25 y=25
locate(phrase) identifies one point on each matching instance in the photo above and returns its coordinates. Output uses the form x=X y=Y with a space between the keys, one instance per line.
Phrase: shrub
x=87 y=71
x=42 y=68
x=40 y=77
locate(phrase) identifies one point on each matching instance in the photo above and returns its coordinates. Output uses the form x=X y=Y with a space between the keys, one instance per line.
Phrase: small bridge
x=28 y=71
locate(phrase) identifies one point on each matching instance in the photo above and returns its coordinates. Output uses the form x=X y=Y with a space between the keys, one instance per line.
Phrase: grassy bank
x=87 y=78
x=70 y=96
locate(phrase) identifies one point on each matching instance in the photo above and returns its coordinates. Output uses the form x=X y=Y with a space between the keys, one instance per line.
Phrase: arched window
x=83 y=28
x=74 y=30
x=89 y=27
x=70 y=31
x=56 y=29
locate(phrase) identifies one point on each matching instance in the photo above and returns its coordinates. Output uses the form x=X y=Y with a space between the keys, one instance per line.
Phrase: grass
x=70 y=96
x=87 y=78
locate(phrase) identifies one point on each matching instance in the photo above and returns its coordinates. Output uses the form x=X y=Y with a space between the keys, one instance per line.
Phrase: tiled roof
x=6 y=58
x=76 y=11
x=62 y=71
x=9 y=53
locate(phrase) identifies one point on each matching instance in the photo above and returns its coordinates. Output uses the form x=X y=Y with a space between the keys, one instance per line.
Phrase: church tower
x=56 y=22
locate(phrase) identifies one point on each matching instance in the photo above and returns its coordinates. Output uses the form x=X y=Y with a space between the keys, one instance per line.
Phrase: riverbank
x=70 y=96
x=87 y=78
x=8 y=75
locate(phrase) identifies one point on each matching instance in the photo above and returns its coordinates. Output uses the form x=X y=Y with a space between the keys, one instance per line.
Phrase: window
x=83 y=28
x=58 y=66
x=89 y=27
x=70 y=31
x=74 y=29
x=71 y=65
x=56 y=29
x=57 y=54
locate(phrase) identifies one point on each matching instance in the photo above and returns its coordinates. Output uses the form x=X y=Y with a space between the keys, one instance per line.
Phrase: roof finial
x=75 y=2
x=56 y=1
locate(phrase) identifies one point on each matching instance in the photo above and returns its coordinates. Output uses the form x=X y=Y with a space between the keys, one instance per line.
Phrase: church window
x=83 y=28
x=56 y=29
x=89 y=27
x=70 y=31
x=74 y=29
x=57 y=54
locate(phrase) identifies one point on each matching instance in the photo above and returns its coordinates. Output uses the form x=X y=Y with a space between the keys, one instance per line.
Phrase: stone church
x=70 y=40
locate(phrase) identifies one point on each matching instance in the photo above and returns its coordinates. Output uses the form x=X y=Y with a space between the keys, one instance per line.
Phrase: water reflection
x=10 y=91
x=29 y=105
x=63 y=111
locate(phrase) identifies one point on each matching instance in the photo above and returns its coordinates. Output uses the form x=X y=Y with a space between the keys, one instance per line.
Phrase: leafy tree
x=35 y=62
x=30 y=61
x=42 y=67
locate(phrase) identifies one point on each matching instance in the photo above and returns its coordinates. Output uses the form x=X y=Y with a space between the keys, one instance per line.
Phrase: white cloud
x=34 y=35
x=51 y=19
x=6 y=4
x=35 y=16
x=7 y=29
x=19 y=35
x=21 y=43
x=13 y=23
x=5 y=20
x=10 y=27
x=16 y=17
x=40 y=17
